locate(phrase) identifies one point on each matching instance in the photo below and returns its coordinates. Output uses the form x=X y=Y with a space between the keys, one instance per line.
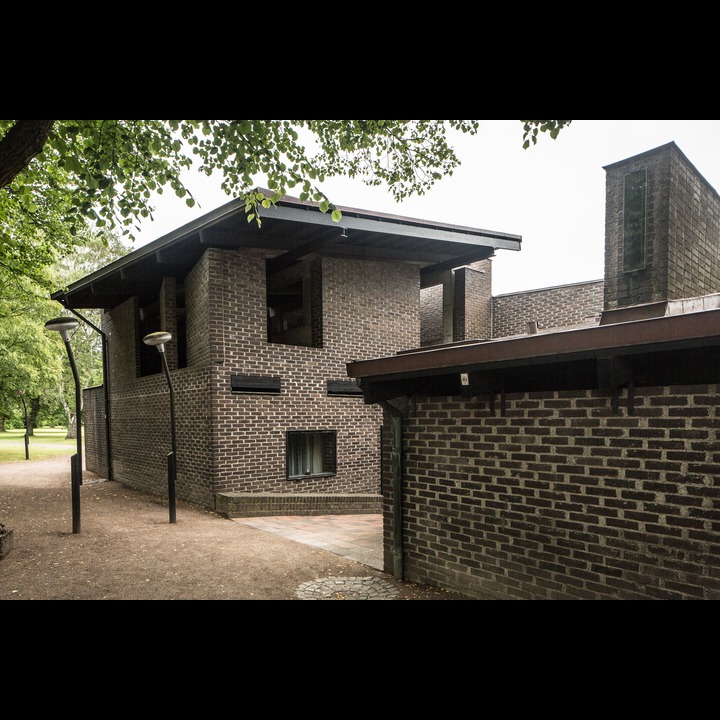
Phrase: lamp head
x=63 y=325
x=158 y=339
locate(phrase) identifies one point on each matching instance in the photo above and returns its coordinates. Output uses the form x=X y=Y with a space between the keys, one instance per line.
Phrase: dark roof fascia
x=293 y=210
x=163 y=242
x=671 y=332
x=354 y=219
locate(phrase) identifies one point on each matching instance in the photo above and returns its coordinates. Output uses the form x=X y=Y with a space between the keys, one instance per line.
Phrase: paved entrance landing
x=356 y=537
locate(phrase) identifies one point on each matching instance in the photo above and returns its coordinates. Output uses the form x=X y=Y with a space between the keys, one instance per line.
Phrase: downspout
x=106 y=389
x=397 y=469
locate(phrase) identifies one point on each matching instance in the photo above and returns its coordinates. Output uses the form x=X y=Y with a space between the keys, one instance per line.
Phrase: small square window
x=311 y=453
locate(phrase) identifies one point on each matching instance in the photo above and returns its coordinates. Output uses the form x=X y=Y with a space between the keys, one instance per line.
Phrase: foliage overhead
x=55 y=175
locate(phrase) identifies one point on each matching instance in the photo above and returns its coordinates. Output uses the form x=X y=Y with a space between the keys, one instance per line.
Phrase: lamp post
x=158 y=339
x=64 y=325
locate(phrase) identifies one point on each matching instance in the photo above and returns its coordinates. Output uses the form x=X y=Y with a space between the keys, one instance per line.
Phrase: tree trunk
x=22 y=142
x=2 y=423
x=72 y=426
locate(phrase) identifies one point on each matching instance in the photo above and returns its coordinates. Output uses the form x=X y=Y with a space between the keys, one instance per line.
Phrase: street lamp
x=64 y=325
x=158 y=339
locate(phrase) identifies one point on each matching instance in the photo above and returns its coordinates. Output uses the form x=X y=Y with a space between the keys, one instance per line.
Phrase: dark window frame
x=328 y=452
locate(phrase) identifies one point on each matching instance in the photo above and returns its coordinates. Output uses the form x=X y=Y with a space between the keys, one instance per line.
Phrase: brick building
x=572 y=452
x=263 y=321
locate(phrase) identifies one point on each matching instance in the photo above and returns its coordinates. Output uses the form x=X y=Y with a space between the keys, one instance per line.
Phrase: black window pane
x=634 y=220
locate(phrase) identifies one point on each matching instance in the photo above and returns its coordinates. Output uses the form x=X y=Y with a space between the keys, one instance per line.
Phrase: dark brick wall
x=95 y=437
x=552 y=307
x=682 y=232
x=560 y=498
x=431 y=312
x=235 y=442
x=472 y=315
x=472 y=306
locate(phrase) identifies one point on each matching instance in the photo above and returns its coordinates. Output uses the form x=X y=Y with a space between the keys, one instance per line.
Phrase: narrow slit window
x=635 y=198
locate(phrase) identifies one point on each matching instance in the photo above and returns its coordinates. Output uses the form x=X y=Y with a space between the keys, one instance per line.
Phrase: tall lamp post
x=158 y=339
x=64 y=325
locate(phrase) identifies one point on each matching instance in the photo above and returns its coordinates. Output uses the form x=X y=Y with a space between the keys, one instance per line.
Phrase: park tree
x=29 y=362
x=96 y=251
x=34 y=371
x=55 y=175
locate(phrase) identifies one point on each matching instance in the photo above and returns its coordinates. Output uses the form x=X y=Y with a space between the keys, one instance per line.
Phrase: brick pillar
x=472 y=315
x=168 y=319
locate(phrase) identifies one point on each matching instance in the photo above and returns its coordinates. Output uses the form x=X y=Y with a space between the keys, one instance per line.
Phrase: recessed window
x=311 y=453
x=294 y=305
x=149 y=322
x=635 y=195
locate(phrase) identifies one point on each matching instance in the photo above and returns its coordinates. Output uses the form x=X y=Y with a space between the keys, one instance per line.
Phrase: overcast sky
x=552 y=194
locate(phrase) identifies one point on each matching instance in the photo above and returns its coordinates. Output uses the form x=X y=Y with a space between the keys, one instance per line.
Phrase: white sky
x=552 y=194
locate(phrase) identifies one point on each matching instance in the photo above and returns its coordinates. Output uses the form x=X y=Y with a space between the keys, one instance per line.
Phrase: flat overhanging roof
x=290 y=231
x=656 y=348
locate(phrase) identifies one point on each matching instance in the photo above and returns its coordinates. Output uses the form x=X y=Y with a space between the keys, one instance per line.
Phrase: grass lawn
x=45 y=443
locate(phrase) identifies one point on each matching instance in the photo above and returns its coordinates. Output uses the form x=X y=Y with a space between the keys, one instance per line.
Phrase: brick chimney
x=662 y=234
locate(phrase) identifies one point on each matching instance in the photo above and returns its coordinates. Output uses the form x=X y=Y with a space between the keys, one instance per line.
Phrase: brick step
x=240 y=504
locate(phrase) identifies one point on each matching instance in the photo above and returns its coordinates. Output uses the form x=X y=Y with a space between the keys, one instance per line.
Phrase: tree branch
x=20 y=145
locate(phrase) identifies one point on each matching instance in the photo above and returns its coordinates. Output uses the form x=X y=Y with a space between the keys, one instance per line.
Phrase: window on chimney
x=635 y=195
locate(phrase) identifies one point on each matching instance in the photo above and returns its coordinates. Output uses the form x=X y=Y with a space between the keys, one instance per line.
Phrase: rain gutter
x=396 y=483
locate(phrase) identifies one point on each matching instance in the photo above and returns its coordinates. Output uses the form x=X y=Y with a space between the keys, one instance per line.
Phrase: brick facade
x=95 y=437
x=472 y=303
x=431 y=304
x=547 y=495
x=681 y=234
x=231 y=442
x=563 y=494
x=459 y=308
x=560 y=498
x=559 y=306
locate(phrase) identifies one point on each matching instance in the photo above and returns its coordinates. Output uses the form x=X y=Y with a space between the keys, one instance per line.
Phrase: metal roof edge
x=160 y=243
x=597 y=339
x=294 y=210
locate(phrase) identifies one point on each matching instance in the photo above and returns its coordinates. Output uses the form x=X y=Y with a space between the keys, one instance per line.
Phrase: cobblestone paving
x=347 y=588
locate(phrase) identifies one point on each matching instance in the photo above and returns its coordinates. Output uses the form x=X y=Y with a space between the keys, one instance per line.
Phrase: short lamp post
x=158 y=339
x=64 y=325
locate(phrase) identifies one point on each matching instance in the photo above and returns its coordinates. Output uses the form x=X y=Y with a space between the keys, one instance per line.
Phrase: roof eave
x=690 y=329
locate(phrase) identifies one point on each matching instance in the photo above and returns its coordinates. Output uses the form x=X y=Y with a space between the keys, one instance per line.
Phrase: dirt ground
x=128 y=550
